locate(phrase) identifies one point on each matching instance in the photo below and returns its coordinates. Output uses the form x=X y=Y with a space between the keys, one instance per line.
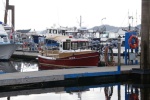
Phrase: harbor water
x=47 y=91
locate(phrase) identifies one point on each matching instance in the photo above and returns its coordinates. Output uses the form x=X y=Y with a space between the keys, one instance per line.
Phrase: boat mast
x=80 y=21
x=12 y=8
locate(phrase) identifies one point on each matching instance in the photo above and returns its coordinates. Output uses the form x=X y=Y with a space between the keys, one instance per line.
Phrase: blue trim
x=91 y=74
x=2 y=73
x=119 y=69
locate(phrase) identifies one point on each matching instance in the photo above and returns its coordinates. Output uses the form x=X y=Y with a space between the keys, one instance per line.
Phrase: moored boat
x=71 y=53
x=7 y=47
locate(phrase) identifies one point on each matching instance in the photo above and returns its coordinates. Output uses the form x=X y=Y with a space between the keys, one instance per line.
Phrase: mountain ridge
x=112 y=28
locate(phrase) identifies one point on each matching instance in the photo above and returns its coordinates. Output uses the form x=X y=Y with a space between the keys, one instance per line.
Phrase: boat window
x=87 y=45
x=5 y=39
x=55 y=31
x=2 y=36
x=112 y=35
x=104 y=35
x=123 y=43
x=74 y=45
x=41 y=39
x=66 y=45
x=81 y=45
x=59 y=31
x=50 y=31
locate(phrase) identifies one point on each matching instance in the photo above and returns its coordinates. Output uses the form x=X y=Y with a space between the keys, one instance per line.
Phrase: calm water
x=111 y=91
x=18 y=66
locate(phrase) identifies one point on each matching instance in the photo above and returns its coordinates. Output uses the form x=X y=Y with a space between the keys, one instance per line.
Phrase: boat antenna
x=136 y=17
x=128 y=18
x=132 y=19
x=80 y=23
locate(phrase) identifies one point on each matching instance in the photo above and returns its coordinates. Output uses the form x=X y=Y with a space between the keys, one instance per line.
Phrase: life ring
x=133 y=42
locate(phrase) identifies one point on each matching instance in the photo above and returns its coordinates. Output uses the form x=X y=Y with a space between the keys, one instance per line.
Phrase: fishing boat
x=7 y=47
x=71 y=53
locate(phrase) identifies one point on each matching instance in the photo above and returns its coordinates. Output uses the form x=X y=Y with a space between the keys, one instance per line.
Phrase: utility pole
x=12 y=8
x=145 y=44
x=145 y=30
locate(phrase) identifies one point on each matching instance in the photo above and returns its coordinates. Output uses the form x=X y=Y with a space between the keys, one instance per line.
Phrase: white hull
x=6 y=50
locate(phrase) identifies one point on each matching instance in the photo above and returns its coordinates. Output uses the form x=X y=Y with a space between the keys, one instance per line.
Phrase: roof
x=23 y=31
x=57 y=38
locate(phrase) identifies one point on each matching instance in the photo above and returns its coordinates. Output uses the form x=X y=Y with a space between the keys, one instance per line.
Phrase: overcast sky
x=41 y=14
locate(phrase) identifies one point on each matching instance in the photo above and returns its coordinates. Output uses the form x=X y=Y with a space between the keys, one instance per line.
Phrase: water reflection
x=109 y=91
x=131 y=92
x=7 y=67
x=94 y=92
x=18 y=66
x=25 y=66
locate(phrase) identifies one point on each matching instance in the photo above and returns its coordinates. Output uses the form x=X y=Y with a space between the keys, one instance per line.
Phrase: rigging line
x=123 y=20
x=136 y=17
x=9 y=18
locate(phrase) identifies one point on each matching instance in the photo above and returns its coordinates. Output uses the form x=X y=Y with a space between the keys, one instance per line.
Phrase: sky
x=42 y=14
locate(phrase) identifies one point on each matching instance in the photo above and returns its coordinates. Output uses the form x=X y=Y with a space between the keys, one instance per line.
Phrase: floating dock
x=19 y=78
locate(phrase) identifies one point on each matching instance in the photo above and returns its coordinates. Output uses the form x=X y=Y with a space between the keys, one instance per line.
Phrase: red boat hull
x=82 y=60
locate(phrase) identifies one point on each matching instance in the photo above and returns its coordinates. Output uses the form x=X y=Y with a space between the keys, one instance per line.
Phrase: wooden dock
x=60 y=74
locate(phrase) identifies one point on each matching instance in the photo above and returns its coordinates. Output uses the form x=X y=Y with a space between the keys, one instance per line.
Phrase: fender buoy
x=133 y=42
x=11 y=36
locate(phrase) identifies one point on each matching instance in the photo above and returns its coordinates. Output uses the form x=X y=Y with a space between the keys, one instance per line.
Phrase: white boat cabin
x=3 y=35
x=72 y=44
x=54 y=32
